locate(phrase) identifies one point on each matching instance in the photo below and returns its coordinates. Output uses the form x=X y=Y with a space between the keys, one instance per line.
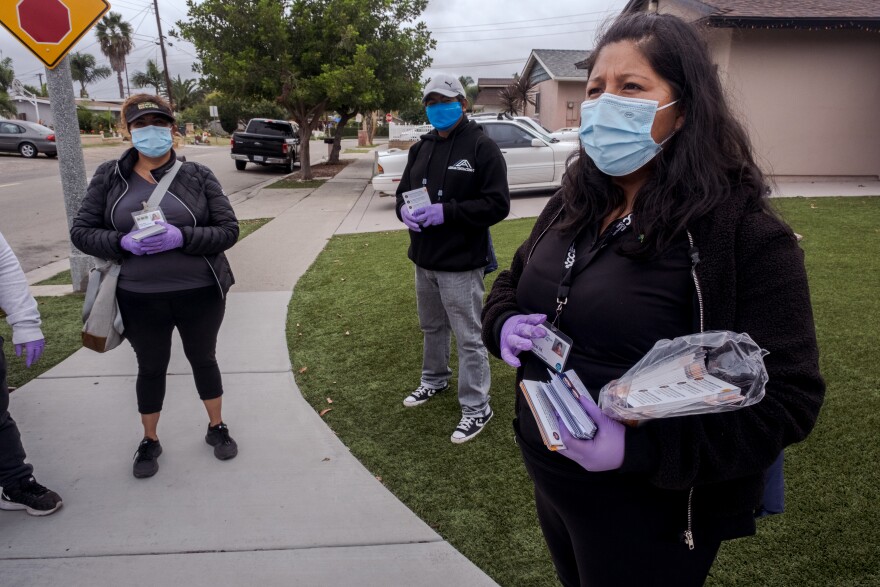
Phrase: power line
x=527 y=20
x=475 y=41
x=497 y=29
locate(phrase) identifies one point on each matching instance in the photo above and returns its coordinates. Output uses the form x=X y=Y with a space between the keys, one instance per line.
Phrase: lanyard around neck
x=574 y=264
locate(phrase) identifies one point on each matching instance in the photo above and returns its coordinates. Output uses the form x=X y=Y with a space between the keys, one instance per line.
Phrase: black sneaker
x=422 y=394
x=470 y=426
x=146 y=462
x=224 y=447
x=31 y=497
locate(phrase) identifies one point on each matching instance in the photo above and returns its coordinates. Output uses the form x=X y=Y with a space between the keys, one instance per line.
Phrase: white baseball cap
x=444 y=84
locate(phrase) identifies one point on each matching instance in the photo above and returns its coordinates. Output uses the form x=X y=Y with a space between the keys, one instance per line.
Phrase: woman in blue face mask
x=176 y=278
x=662 y=228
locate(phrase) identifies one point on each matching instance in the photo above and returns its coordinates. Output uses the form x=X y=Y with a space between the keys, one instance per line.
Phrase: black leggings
x=149 y=319
x=601 y=537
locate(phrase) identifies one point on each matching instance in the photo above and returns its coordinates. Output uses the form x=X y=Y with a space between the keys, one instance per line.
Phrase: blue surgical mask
x=444 y=115
x=616 y=133
x=152 y=141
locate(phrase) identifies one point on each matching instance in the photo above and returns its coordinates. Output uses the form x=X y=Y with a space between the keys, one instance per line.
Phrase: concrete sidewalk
x=294 y=508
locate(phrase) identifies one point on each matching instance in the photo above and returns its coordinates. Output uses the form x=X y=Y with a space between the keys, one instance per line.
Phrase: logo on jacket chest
x=463 y=165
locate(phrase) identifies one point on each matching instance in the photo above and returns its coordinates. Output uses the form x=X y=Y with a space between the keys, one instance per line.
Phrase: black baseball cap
x=135 y=111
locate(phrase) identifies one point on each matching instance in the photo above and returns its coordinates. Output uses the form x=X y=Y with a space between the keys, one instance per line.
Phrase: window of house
x=538 y=103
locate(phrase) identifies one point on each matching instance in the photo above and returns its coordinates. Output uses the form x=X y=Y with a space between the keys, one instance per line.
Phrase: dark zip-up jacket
x=466 y=173
x=749 y=277
x=195 y=186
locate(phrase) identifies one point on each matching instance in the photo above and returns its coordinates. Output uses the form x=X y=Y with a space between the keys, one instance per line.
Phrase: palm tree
x=471 y=90
x=152 y=77
x=515 y=96
x=186 y=92
x=7 y=106
x=114 y=35
x=83 y=69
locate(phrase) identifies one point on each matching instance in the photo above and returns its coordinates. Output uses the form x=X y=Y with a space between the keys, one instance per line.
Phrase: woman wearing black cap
x=177 y=278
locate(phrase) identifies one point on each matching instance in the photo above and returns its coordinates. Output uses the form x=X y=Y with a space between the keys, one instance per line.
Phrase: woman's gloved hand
x=517 y=334
x=132 y=246
x=172 y=238
x=429 y=215
x=33 y=350
x=605 y=451
x=409 y=220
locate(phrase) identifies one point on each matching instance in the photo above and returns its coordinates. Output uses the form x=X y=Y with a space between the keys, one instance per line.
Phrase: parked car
x=535 y=161
x=266 y=142
x=27 y=138
x=569 y=133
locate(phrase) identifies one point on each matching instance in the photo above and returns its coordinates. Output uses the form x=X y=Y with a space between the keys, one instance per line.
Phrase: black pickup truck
x=266 y=142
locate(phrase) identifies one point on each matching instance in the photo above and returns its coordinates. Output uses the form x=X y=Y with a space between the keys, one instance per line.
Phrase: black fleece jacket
x=750 y=278
x=195 y=186
x=466 y=173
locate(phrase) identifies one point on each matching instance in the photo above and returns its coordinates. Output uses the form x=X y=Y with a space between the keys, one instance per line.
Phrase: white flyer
x=417 y=199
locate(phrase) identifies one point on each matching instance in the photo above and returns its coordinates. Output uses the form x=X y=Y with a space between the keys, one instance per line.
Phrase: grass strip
x=62 y=278
x=246 y=227
x=347 y=151
x=296 y=184
x=354 y=335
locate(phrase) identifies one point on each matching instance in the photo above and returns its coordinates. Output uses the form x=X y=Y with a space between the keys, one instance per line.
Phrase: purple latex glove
x=172 y=238
x=409 y=220
x=605 y=451
x=517 y=334
x=429 y=215
x=132 y=246
x=33 y=350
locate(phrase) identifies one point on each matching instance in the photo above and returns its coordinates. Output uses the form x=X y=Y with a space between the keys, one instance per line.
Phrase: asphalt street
x=32 y=216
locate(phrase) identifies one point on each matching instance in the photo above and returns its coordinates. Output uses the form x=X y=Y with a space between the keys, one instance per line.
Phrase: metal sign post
x=70 y=159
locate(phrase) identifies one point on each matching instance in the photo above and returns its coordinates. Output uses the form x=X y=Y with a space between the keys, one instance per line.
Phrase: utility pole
x=127 y=85
x=70 y=159
x=40 y=75
x=164 y=57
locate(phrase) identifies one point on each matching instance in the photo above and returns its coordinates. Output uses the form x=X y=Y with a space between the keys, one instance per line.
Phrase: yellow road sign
x=50 y=28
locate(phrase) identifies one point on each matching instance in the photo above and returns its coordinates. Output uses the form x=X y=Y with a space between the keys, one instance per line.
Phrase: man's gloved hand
x=172 y=238
x=408 y=219
x=33 y=350
x=429 y=215
x=132 y=246
x=517 y=334
x=605 y=451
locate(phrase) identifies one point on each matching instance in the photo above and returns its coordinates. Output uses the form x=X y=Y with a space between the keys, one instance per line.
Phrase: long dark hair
x=706 y=161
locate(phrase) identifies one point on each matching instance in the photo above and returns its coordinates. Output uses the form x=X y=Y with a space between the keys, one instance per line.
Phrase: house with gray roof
x=560 y=86
x=488 y=99
x=803 y=76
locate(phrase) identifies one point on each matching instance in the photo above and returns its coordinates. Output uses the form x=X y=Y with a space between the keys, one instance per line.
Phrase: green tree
x=84 y=69
x=186 y=92
x=7 y=74
x=390 y=55
x=152 y=76
x=515 y=96
x=41 y=92
x=302 y=54
x=114 y=37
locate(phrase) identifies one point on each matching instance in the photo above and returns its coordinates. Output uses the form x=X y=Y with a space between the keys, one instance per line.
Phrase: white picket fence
x=407 y=132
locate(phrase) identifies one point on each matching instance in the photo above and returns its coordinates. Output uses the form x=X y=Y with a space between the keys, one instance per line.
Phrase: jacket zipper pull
x=689 y=539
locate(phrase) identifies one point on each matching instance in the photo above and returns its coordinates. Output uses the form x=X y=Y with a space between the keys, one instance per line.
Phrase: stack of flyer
x=559 y=395
x=678 y=385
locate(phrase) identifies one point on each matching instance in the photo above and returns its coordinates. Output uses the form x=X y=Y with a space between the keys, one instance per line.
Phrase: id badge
x=147 y=218
x=553 y=348
x=417 y=199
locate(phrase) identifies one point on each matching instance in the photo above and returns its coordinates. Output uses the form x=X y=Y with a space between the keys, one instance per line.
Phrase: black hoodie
x=466 y=173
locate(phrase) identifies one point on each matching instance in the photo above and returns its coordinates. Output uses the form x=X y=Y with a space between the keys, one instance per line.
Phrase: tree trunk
x=121 y=88
x=370 y=126
x=305 y=164
x=337 y=137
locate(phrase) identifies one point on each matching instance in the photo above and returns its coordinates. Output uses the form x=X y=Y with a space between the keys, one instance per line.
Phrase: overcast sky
x=479 y=38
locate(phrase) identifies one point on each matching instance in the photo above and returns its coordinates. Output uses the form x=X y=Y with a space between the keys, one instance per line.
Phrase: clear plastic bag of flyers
x=702 y=373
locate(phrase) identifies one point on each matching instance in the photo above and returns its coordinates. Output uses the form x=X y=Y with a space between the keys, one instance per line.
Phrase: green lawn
x=352 y=326
x=296 y=184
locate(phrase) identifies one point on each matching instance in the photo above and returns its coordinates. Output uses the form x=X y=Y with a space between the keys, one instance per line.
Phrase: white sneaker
x=470 y=426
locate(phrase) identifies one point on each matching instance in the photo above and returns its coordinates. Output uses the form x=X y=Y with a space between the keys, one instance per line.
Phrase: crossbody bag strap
x=163 y=185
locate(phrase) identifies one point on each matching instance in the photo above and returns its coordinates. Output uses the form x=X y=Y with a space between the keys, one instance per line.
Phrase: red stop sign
x=388 y=117
x=46 y=21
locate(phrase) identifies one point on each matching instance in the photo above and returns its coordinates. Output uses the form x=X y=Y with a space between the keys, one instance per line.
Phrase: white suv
x=535 y=161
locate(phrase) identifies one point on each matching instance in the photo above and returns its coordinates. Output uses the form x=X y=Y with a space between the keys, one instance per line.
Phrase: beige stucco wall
x=555 y=98
x=809 y=98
